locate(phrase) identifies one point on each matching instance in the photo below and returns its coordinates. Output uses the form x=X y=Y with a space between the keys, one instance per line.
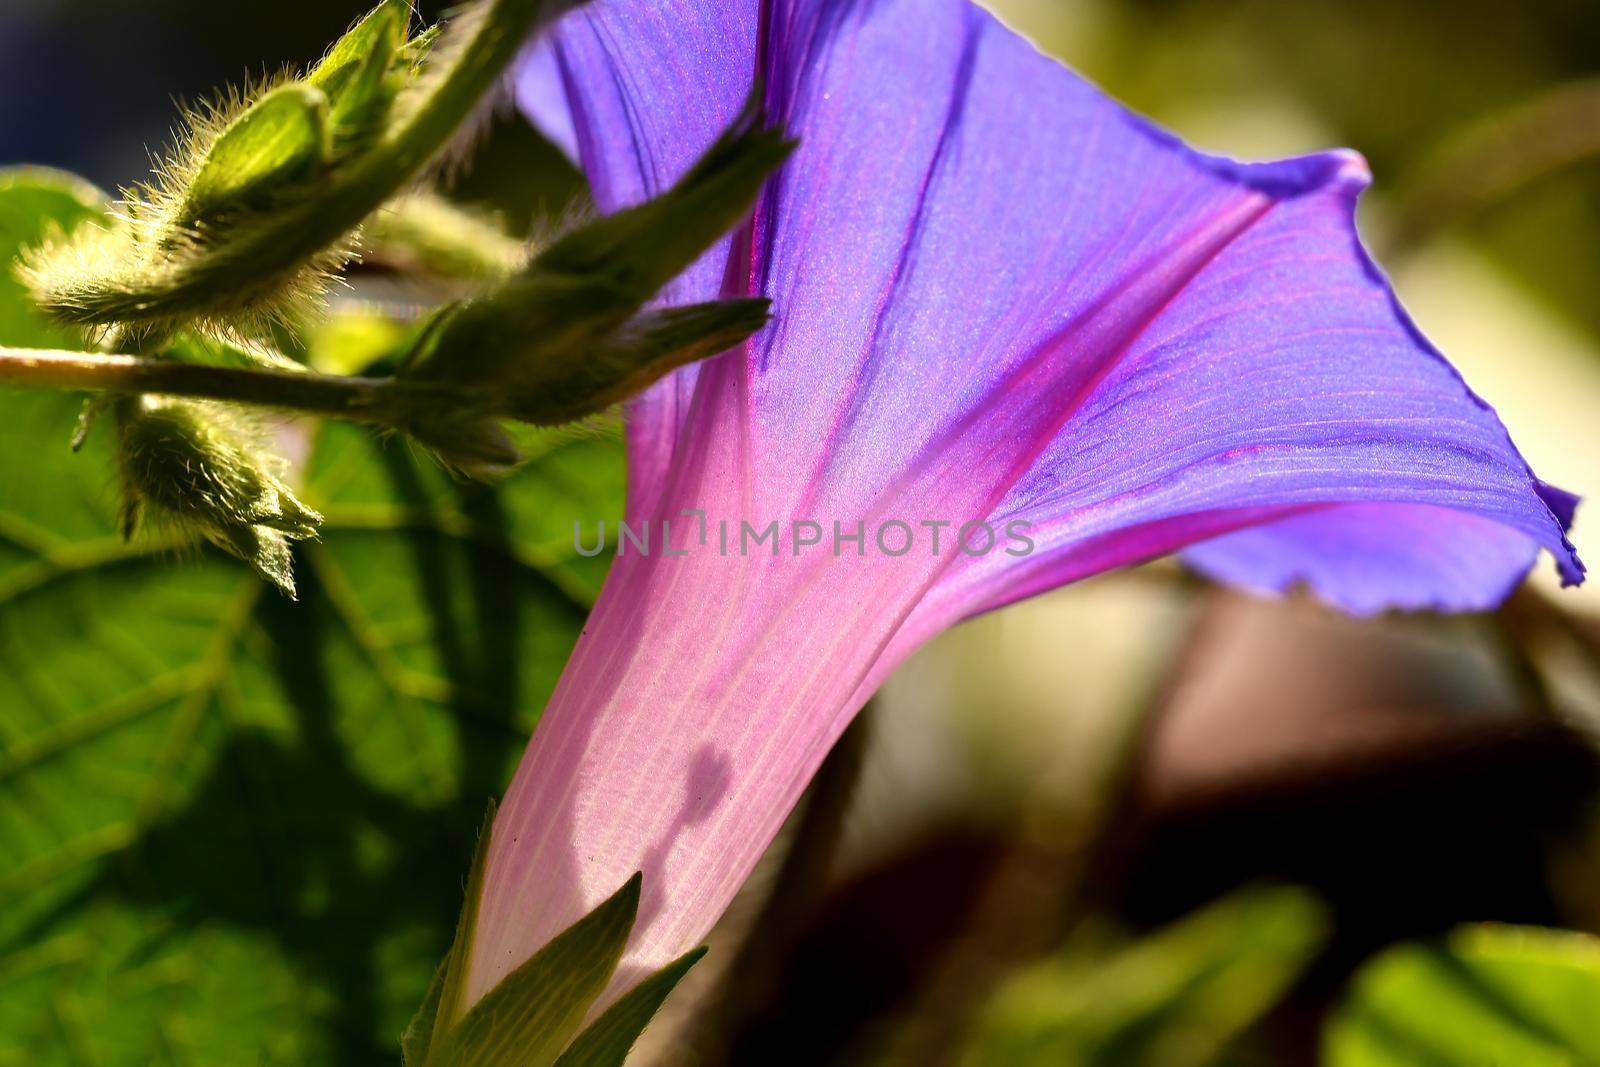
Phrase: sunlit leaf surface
x=233 y=828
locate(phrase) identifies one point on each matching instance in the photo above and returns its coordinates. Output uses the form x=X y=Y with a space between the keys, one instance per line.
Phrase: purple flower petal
x=1000 y=297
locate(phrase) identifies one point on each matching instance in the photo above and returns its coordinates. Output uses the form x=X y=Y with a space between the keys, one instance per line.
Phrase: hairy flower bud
x=268 y=153
x=194 y=466
x=261 y=200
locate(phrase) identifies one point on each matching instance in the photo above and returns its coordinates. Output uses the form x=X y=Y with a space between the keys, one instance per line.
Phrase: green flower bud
x=193 y=465
x=428 y=233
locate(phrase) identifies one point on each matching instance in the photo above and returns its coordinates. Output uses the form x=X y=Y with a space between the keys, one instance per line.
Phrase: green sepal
x=639 y=250
x=359 y=75
x=470 y=444
x=418 y=1036
x=453 y=983
x=528 y=1018
x=644 y=350
x=609 y=1039
x=420 y=47
x=563 y=338
x=383 y=29
x=278 y=143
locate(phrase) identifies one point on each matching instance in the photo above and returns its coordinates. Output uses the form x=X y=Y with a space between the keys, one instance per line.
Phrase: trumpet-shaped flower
x=999 y=298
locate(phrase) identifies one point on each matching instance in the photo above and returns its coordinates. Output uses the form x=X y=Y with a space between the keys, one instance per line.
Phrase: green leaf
x=354 y=341
x=1486 y=997
x=236 y=826
x=37 y=205
x=1174 y=999
x=528 y=1018
x=609 y=1039
x=280 y=141
x=232 y=828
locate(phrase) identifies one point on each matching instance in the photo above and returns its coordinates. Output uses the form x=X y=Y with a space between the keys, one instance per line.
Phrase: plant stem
x=371 y=400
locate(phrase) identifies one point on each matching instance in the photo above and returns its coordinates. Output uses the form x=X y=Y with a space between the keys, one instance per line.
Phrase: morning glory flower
x=999 y=298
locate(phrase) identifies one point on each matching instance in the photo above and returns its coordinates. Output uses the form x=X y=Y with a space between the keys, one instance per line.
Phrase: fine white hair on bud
x=201 y=469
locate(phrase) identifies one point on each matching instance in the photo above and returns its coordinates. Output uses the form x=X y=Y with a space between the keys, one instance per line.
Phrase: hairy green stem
x=380 y=401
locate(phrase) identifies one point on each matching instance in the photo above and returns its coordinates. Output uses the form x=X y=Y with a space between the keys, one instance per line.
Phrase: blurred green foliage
x=1489 y=996
x=1177 y=998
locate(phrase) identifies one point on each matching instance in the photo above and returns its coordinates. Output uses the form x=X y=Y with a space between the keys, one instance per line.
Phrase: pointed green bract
x=418 y=1037
x=364 y=98
x=639 y=250
x=609 y=1039
x=444 y=1003
x=359 y=74
x=420 y=47
x=382 y=30
x=528 y=1018
x=279 y=143
x=572 y=385
x=1487 y=996
x=564 y=338
x=453 y=988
